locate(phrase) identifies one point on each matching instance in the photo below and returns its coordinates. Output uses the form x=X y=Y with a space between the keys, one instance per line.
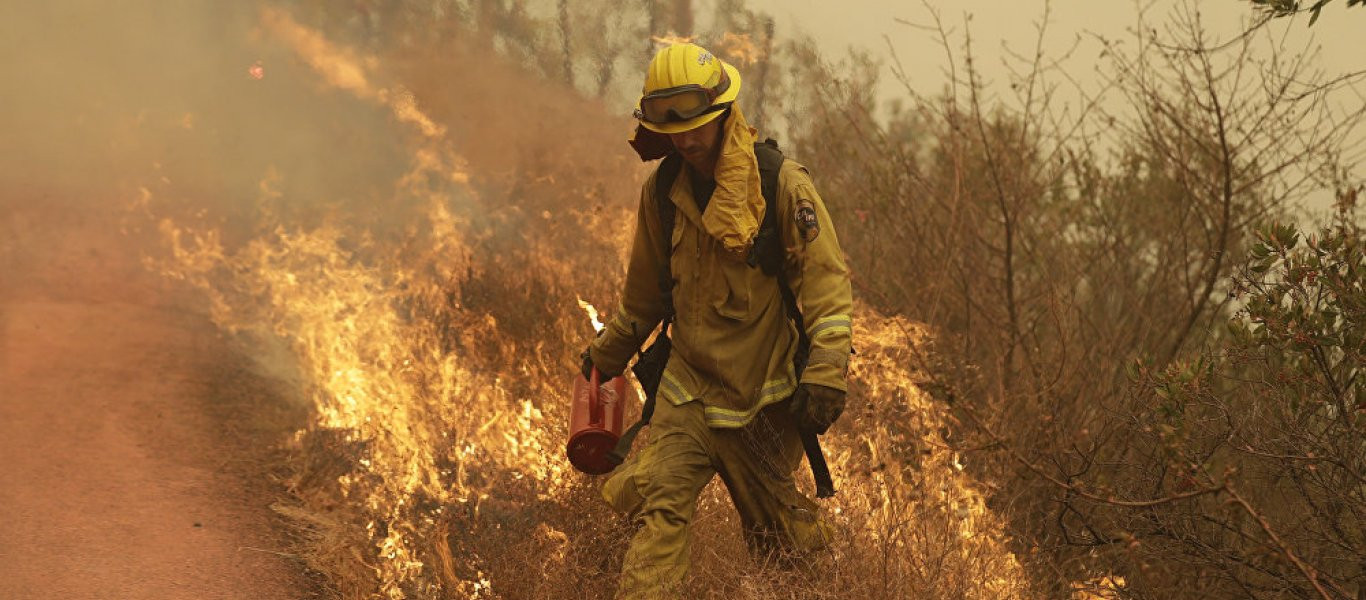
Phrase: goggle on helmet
x=683 y=102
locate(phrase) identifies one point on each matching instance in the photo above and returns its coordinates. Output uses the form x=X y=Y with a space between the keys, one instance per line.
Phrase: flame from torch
x=592 y=313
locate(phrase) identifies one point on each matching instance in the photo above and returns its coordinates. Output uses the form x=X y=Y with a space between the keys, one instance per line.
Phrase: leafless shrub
x=1048 y=246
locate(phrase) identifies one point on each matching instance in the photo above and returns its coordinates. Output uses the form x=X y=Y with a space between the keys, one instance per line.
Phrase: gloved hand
x=587 y=368
x=816 y=407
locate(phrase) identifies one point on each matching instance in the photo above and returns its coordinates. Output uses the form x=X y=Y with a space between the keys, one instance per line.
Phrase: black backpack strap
x=649 y=370
x=767 y=251
x=668 y=171
x=768 y=254
x=649 y=367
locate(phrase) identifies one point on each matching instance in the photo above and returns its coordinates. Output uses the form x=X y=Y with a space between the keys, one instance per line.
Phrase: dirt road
x=134 y=441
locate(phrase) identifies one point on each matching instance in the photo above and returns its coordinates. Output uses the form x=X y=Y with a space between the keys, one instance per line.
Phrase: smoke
x=103 y=99
x=344 y=70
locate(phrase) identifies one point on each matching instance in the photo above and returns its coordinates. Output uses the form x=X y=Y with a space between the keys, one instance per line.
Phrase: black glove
x=587 y=368
x=816 y=407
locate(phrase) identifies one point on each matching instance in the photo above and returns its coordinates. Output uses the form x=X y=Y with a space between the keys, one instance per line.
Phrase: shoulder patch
x=807 y=223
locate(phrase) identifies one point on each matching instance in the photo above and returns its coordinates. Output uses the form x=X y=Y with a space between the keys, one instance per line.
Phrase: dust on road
x=125 y=419
x=134 y=439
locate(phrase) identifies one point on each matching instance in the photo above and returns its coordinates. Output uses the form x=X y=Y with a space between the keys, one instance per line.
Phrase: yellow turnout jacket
x=733 y=342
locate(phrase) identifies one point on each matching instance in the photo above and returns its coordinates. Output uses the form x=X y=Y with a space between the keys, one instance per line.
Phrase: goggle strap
x=713 y=92
x=640 y=115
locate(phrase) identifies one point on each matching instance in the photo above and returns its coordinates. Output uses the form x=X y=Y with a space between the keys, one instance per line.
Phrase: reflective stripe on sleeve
x=627 y=322
x=831 y=324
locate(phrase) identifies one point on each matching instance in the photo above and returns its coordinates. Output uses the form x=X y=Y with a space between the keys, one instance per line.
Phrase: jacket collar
x=737 y=206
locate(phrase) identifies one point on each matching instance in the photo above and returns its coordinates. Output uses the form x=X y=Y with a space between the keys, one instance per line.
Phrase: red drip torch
x=595 y=420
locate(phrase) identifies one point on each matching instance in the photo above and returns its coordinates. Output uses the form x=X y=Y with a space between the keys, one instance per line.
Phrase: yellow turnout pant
x=658 y=487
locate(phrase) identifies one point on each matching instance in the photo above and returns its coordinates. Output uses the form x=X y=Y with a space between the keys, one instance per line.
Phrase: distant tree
x=1285 y=8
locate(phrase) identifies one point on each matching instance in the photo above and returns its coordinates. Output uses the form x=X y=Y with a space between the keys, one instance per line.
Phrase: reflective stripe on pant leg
x=660 y=488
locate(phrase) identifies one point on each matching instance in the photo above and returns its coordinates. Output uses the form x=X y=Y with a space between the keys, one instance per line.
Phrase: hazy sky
x=867 y=24
x=870 y=24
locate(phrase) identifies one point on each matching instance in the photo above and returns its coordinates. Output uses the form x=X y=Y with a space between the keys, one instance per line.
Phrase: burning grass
x=434 y=466
x=436 y=351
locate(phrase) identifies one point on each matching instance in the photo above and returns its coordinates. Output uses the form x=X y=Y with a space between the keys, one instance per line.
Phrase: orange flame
x=343 y=69
x=670 y=39
x=1108 y=587
x=740 y=48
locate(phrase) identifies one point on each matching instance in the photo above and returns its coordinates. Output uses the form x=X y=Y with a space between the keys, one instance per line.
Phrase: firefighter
x=731 y=402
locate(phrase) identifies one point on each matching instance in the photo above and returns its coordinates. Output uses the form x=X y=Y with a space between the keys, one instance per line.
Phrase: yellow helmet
x=686 y=87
